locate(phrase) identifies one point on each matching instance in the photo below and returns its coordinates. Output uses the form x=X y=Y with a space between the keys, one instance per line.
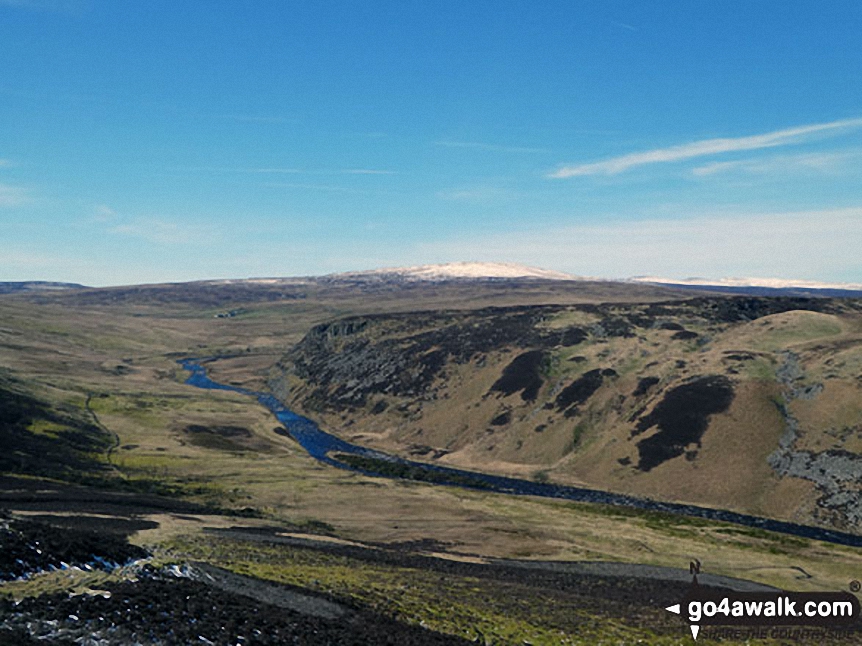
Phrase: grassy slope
x=461 y=420
x=123 y=356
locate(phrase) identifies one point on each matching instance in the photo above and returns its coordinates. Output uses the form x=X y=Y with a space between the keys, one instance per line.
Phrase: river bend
x=322 y=446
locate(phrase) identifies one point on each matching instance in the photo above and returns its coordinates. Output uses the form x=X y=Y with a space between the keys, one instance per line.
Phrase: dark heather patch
x=432 y=362
x=221 y=431
x=379 y=407
x=644 y=385
x=523 y=374
x=578 y=359
x=685 y=335
x=580 y=390
x=502 y=419
x=670 y=326
x=625 y=461
x=219 y=438
x=28 y=546
x=680 y=363
x=614 y=326
x=682 y=417
x=742 y=356
x=572 y=336
x=540 y=428
x=742 y=308
x=96 y=524
x=640 y=411
x=609 y=372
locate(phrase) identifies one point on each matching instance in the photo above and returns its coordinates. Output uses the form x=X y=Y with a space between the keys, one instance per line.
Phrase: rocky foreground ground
x=168 y=605
x=142 y=602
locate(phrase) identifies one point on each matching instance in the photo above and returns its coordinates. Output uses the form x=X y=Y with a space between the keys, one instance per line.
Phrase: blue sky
x=167 y=141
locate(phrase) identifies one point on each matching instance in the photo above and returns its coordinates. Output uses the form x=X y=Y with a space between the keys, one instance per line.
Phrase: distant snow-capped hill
x=758 y=286
x=14 y=287
x=775 y=283
x=456 y=271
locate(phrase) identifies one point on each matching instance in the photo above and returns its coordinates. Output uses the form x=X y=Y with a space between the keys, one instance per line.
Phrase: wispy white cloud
x=703 y=148
x=815 y=245
x=11 y=259
x=159 y=231
x=12 y=196
x=475 y=194
x=301 y=171
x=823 y=163
x=489 y=147
x=314 y=187
x=104 y=213
x=623 y=25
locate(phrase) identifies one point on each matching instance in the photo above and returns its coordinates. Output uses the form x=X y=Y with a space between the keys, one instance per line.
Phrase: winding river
x=323 y=446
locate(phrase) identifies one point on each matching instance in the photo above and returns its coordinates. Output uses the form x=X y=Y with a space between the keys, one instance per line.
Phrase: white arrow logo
x=675 y=609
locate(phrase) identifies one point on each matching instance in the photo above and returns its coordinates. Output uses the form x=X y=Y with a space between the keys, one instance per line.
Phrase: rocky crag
x=836 y=472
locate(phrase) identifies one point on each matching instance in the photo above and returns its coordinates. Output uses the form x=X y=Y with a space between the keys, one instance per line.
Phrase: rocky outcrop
x=350 y=360
x=837 y=473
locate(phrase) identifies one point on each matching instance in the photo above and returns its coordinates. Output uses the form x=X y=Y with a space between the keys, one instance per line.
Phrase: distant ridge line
x=485 y=271
x=13 y=287
x=457 y=271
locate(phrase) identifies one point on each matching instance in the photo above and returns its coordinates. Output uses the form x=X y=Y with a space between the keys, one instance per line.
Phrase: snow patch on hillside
x=462 y=270
x=774 y=283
